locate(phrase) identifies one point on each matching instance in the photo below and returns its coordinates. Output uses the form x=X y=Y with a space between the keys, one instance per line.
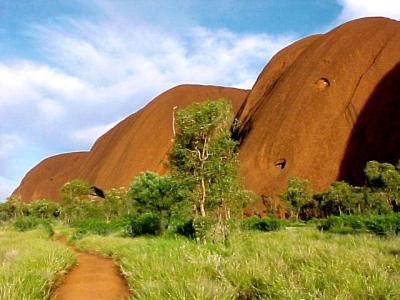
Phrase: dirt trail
x=94 y=278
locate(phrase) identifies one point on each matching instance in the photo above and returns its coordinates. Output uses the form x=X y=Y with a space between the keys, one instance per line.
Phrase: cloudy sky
x=72 y=69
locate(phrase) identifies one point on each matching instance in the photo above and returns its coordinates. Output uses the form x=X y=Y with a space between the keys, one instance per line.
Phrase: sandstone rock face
x=140 y=142
x=320 y=109
x=45 y=179
x=323 y=107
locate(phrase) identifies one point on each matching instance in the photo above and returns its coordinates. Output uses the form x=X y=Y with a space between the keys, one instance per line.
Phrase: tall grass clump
x=298 y=263
x=30 y=264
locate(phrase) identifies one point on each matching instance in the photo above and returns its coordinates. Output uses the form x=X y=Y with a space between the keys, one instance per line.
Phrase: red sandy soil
x=94 y=278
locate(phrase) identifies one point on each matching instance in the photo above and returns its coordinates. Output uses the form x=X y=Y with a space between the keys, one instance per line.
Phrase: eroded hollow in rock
x=280 y=163
x=322 y=84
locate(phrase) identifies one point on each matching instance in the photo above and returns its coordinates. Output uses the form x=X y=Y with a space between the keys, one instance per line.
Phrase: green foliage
x=74 y=189
x=151 y=192
x=297 y=195
x=385 y=177
x=377 y=224
x=186 y=229
x=74 y=201
x=116 y=204
x=262 y=224
x=339 y=198
x=43 y=209
x=26 y=223
x=12 y=208
x=98 y=226
x=203 y=157
x=147 y=223
x=29 y=223
x=92 y=225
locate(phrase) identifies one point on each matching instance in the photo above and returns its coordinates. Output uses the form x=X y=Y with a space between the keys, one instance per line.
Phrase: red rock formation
x=46 y=178
x=140 y=142
x=320 y=109
x=330 y=103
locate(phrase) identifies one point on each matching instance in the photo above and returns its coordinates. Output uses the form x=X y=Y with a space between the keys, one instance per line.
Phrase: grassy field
x=30 y=264
x=296 y=263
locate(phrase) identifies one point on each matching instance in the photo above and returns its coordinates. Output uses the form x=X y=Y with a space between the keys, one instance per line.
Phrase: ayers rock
x=323 y=107
x=320 y=109
x=138 y=143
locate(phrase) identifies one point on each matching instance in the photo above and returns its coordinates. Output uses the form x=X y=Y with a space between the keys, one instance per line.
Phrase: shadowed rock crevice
x=376 y=133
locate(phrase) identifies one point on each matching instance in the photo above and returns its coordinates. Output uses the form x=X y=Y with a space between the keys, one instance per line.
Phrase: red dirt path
x=94 y=277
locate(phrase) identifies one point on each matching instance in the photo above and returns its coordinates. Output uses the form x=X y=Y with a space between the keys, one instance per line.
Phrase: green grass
x=30 y=264
x=297 y=263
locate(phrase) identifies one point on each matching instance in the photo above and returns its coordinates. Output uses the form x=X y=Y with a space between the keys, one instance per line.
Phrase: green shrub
x=95 y=226
x=26 y=223
x=98 y=226
x=186 y=229
x=384 y=225
x=377 y=224
x=262 y=224
x=148 y=223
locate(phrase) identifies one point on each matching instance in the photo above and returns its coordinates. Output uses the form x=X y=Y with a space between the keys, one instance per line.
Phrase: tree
x=204 y=159
x=15 y=207
x=338 y=198
x=72 y=202
x=203 y=154
x=43 y=209
x=297 y=195
x=75 y=189
x=384 y=177
x=116 y=203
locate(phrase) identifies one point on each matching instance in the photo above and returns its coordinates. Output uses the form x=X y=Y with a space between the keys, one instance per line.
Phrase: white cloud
x=9 y=143
x=90 y=134
x=98 y=72
x=51 y=109
x=24 y=81
x=353 y=9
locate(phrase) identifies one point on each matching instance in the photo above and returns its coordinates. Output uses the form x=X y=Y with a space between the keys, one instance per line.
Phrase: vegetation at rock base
x=182 y=235
x=380 y=195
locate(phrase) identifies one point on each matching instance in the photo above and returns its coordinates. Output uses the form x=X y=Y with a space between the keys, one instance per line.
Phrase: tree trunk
x=203 y=198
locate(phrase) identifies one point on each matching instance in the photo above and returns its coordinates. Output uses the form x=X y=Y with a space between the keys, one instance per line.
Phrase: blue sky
x=72 y=69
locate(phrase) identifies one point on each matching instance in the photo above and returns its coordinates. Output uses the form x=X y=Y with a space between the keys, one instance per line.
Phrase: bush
x=262 y=224
x=377 y=224
x=148 y=223
x=28 y=223
x=95 y=226
x=186 y=229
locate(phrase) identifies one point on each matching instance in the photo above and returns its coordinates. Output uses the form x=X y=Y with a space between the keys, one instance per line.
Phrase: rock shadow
x=376 y=132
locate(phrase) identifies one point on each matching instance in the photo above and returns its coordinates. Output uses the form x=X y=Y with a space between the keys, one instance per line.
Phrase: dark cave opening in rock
x=280 y=163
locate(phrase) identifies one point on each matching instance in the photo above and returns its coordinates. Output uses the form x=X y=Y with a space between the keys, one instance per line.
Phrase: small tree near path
x=204 y=158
